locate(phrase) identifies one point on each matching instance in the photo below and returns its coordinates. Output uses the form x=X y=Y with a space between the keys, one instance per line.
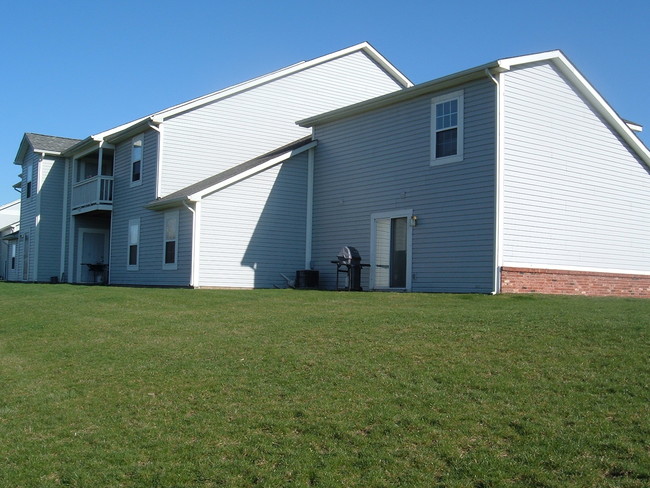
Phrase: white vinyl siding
x=575 y=196
x=254 y=231
x=215 y=137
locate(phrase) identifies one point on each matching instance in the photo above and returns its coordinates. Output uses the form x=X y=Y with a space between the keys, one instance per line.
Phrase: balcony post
x=101 y=157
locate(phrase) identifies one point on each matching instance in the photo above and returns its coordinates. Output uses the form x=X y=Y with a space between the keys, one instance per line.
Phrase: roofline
x=590 y=93
x=199 y=195
x=25 y=141
x=10 y=204
x=156 y=118
x=398 y=96
x=557 y=57
x=281 y=73
x=95 y=139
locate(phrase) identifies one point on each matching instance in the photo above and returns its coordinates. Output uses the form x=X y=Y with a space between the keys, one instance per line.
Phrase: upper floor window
x=136 y=160
x=170 y=240
x=447 y=128
x=28 y=181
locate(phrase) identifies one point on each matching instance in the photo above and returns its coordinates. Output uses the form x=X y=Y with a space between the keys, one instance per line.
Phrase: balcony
x=92 y=194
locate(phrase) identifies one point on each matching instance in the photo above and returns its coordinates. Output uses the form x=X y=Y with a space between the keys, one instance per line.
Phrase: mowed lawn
x=128 y=387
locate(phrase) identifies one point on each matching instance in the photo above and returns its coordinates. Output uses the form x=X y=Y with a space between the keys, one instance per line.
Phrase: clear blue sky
x=76 y=68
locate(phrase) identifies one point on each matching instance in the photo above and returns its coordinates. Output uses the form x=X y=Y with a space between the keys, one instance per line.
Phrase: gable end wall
x=575 y=196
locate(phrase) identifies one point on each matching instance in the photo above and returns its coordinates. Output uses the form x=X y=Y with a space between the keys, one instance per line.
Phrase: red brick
x=564 y=282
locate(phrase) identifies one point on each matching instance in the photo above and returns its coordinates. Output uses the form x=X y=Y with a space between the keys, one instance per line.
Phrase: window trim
x=12 y=254
x=460 y=127
x=175 y=214
x=137 y=141
x=136 y=266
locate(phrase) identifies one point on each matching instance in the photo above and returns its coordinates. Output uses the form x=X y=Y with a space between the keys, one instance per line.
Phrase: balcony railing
x=94 y=191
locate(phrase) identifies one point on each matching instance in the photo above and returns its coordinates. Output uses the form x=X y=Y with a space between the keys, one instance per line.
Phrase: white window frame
x=133 y=223
x=137 y=142
x=169 y=215
x=460 y=128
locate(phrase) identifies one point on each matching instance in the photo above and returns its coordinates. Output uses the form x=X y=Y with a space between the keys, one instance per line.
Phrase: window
x=170 y=240
x=28 y=182
x=134 y=245
x=136 y=160
x=447 y=128
x=13 y=255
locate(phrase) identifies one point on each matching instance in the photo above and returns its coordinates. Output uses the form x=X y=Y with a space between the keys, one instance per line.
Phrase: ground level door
x=391 y=250
x=93 y=253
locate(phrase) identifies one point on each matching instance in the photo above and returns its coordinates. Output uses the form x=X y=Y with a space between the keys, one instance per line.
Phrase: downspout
x=64 y=219
x=498 y=182
x=310 y=208
x=159 y=158
x=194 y=268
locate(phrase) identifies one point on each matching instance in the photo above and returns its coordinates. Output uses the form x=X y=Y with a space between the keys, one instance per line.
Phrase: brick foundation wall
x=561 y=282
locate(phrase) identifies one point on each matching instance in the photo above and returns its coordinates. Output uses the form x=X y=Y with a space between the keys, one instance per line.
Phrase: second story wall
x=215 y=137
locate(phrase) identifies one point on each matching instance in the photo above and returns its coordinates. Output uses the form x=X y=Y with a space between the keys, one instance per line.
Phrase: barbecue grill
x=349 y=263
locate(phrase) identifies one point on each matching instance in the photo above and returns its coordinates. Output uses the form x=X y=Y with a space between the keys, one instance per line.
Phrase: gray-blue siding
x=129 y=203
x=28 y=212
x=380 y=162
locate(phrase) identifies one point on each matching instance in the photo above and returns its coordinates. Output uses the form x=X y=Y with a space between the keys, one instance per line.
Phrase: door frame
x=392 y=214
x=80 y=235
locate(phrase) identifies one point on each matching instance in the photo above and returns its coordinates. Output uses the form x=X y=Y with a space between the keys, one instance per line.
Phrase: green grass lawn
x=104 y=387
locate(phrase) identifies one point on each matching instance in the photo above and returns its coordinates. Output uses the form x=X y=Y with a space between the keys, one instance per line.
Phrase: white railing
x=93 y=191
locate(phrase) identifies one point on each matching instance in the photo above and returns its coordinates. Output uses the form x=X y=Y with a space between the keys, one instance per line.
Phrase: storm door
x=391 y=261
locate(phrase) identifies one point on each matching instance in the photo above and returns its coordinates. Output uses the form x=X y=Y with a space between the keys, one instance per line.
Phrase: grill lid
x=348 y=255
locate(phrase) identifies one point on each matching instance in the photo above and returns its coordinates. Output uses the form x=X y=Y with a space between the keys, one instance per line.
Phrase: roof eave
x=438 y=84
x=365 y=47
x=192 y=195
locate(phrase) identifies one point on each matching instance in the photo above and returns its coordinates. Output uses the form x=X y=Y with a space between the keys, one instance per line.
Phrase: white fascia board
x=508 y=63
x=589 y=92
x=247 y=85
x=385 y=64
x=437 y=85
x=107 y=133
x=246 y=174
x=10 y=204
x=634 y=126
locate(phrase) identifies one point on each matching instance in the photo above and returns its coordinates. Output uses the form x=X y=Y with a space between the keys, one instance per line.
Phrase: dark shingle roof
x=54 y=144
